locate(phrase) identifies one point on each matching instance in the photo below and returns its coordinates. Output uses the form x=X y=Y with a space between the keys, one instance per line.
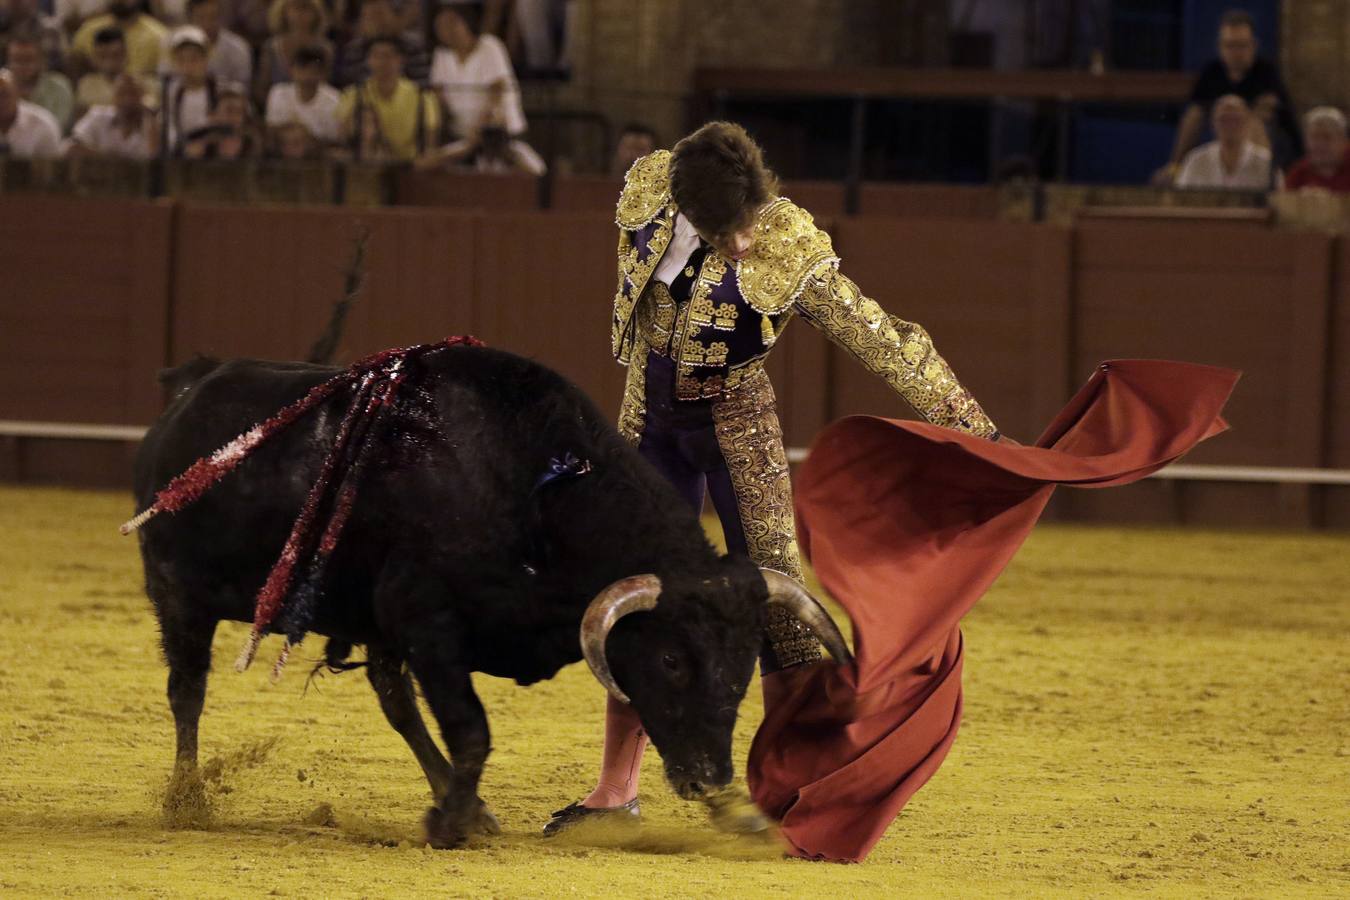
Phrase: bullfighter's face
x=686 y=665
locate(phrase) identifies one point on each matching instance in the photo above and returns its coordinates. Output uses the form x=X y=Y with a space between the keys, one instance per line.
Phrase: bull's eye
x=670 y=662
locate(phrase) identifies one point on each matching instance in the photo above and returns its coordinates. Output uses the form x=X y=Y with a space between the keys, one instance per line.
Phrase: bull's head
x=685 y=663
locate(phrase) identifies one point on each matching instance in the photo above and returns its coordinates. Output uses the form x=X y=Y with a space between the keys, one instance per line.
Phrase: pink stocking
x=624 y=742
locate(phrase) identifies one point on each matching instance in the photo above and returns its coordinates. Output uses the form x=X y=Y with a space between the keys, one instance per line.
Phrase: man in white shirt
x=27 y=131
x=306 y=99
x=126 y=129
x=1233 y=160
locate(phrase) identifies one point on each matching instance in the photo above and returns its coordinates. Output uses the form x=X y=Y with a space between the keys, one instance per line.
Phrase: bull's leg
x=394 y=689
x=187 y=649
x=459 y=812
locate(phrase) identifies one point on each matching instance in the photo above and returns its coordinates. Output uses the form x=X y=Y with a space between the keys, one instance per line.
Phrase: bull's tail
x=326 y=346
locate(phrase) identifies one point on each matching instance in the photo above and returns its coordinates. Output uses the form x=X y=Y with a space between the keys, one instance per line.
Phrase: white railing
x=1180 y=472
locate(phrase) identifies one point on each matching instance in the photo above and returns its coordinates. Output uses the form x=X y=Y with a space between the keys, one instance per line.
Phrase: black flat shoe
x=628 y=814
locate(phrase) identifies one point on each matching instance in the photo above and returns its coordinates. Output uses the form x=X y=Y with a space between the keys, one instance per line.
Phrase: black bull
x=455 y=561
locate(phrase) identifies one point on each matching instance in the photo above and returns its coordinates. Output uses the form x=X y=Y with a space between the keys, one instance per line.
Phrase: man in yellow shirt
x=143 y=35
x=406 y=117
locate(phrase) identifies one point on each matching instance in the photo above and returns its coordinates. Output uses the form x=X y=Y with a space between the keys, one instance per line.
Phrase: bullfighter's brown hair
x=718 y=178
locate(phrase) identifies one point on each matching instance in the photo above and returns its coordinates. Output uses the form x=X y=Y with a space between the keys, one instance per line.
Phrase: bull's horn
x=635 y=594
x=788 y=593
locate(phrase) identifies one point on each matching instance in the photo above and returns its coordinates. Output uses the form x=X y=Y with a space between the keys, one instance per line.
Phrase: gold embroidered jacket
x=737 y=311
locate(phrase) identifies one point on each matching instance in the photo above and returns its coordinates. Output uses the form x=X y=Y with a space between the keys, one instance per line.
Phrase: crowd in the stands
x=369 y=80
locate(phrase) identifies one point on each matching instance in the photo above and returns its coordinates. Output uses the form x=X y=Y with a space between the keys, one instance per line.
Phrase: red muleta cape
x=907 y=525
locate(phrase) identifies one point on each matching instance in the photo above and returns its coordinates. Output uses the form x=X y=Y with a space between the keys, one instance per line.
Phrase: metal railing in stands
x=14 y=428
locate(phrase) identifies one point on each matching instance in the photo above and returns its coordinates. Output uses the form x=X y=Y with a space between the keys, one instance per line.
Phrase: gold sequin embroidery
x=751 y=441
x=633 y=409
x=900 y=352
x=646 y=191
x=788 y=250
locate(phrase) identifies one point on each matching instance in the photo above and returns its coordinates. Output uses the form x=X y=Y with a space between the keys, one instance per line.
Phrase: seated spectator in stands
x=379 y=19
x=489 y=149
x=126 y=129
x=25 y=17
x=110 y=64
x=229 y=57
x=1233 y=160
x=306 y=98
x=635 y=141
x=1255 y=79
x=193 y=91
x=49 y=90
x=293 y=141
x=294 y=24
x=469 y=69
x=230 y=133
x=27 y=131
x=1327 y=165
x=407 y=116
x=144 y=36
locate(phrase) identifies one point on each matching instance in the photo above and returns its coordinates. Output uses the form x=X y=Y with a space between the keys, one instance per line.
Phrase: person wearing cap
x=27 y=131
x=1327 y=165
x=144 y=37
x=306 y=99
x=228 y=56
x=192 y=95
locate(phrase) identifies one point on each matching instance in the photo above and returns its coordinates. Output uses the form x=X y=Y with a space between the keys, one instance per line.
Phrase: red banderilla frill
x=374 y=382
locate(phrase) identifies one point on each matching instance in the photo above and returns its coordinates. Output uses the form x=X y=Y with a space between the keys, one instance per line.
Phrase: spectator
x=293 y=24
x=27 y=131
x=144 y=36
x=1255 y=79
x=379 y=19
x=49 y=90
x=24 y=17
x=126 y=129
x=635 y=141
x=305 y=98
x=467 y=66
x=293 y=141
x=170 y=12
x=110 y=63
x=192 y=96
x=406 y=116
x=1234 y=160
x=229 y=57
x=230 y=132
x=1327 y=165
x=488 y=149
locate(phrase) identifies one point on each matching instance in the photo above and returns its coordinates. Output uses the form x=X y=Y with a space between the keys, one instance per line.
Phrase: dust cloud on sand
x=1145 y=710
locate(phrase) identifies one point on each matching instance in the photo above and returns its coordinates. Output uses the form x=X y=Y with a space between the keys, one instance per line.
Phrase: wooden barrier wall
x=97 y=295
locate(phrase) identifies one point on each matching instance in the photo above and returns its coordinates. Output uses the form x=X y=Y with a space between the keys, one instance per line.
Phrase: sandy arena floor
x=1155 y=711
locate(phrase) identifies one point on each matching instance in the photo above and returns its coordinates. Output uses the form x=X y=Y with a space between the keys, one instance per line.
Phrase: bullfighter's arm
x=900 y=352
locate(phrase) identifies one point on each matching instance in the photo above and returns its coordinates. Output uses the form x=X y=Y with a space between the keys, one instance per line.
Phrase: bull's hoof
x=485 y=822
x=442 y=830
x=732 y=811
x=448 y=829
x=573 y=814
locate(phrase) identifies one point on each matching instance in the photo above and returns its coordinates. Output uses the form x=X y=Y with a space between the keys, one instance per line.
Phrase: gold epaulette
x=788 y=251
x=646 y=191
